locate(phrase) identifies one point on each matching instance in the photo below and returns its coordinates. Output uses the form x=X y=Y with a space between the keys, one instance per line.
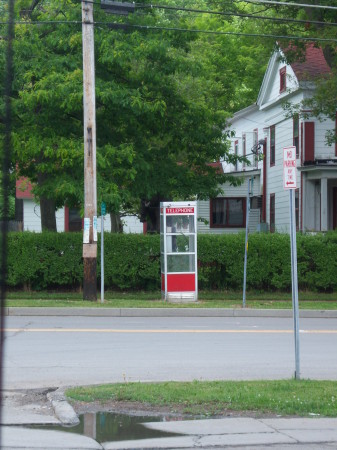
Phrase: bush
x=132 y=261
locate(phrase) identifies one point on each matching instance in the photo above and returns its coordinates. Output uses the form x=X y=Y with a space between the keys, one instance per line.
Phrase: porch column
x=324 y=204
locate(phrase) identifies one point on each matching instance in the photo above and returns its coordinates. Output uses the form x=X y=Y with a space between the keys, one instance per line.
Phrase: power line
x=220 y=13
x=186 y=30
x=273 y=2
x=44 y=22
x=297 y=5
x=223 y=13
x=228 y=33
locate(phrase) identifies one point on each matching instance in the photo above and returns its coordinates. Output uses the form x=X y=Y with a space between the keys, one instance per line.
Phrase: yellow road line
x=111 y=330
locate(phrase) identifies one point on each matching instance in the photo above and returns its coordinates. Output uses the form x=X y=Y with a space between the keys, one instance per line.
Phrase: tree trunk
x=116 y=223
x=47 y=208
x=150 y=213
x=48 y=218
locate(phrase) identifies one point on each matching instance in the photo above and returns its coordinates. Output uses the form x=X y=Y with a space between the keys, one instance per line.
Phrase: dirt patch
x=28 y=400
x=144 y=409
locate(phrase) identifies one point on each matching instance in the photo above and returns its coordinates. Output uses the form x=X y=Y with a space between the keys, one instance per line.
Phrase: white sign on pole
x=86 y=230
x=95 y=228
x=289 y=168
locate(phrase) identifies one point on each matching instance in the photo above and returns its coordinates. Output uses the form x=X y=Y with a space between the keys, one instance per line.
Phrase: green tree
x=163 y=100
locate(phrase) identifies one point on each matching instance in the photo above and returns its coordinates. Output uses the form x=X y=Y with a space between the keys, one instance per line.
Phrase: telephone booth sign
x=178 y=251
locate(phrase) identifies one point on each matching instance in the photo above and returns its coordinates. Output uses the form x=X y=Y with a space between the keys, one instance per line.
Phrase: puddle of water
x=105 y=427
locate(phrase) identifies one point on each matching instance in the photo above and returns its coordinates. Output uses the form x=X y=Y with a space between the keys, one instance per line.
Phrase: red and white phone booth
x=178 y=251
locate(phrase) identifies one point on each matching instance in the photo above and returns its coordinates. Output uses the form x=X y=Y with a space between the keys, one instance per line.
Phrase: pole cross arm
x=119 y=8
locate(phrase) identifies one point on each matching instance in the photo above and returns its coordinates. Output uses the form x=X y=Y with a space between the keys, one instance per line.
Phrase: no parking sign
x=289 y=168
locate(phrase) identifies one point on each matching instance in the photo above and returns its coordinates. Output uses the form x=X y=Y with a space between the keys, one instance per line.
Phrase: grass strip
x=207 y=299
x=160 y=304
x=282 y=397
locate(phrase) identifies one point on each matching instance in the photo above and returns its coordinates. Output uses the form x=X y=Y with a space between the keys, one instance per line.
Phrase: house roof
x=306 y=67
x=313 y=65
x=24 y=188
x=217 y=165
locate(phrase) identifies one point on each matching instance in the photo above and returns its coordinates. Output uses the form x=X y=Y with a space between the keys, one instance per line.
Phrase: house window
x=244 y=152
x=283 y=79
x=296 y=135
x=228 y=213
x=297 y=208
x=236 y=152
x=272 y=145
x=272 y=213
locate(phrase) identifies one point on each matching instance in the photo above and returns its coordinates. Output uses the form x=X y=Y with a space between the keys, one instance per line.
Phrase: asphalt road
x=64 y=351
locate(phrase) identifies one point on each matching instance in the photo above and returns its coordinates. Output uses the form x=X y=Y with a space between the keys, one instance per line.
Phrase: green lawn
x=207 y=299
x=283 y=397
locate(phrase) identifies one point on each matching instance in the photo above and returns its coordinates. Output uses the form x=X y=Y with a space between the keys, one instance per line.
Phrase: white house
x=67 y=219
x=266 y=126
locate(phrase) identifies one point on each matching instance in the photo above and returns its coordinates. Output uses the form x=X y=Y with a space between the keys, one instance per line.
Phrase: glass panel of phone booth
x=180 y=243
x=179 y=224
x=180 y=263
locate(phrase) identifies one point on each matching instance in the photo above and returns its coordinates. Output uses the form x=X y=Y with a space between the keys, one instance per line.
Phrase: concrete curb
x=63 y=410
x=167 y=312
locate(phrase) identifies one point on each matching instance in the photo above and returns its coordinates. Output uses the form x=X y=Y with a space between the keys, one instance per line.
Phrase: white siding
x=32 y=217
x=323 y=151
x=203 y=213
x=132 y=225
x=32 y=220
x=254 y=220
x=270 y=92
x=283 y=138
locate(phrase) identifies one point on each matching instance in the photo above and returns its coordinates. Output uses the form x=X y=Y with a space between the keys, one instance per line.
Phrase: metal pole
x=90 y=195
x=165 y=250
x=5 y=160
x=102 y=258
x=294 y=282
x=246 y=247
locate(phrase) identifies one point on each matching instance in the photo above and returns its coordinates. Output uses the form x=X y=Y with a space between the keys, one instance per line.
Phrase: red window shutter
x=309 y=142
x=283 y=79
x=66 y=218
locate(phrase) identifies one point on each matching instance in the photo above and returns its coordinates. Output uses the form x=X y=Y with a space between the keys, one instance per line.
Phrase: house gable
x=279 y=81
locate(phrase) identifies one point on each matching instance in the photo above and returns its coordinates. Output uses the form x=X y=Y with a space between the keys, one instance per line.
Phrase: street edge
x=166 y=312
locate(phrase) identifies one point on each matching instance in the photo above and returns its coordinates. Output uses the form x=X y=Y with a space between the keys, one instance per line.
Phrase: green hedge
x=54 y=260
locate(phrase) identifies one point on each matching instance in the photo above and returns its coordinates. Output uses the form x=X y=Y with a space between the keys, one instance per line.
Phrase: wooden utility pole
x=90 y=189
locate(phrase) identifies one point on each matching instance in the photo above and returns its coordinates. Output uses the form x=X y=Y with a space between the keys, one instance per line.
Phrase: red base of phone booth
x=178 y=282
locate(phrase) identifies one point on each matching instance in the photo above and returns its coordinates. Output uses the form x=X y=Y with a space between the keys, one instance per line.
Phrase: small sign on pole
x=86 y=230
x=289 y=168
x=289 y=183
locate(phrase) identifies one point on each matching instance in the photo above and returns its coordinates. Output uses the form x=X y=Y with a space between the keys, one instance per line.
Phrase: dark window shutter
x=309 y=142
